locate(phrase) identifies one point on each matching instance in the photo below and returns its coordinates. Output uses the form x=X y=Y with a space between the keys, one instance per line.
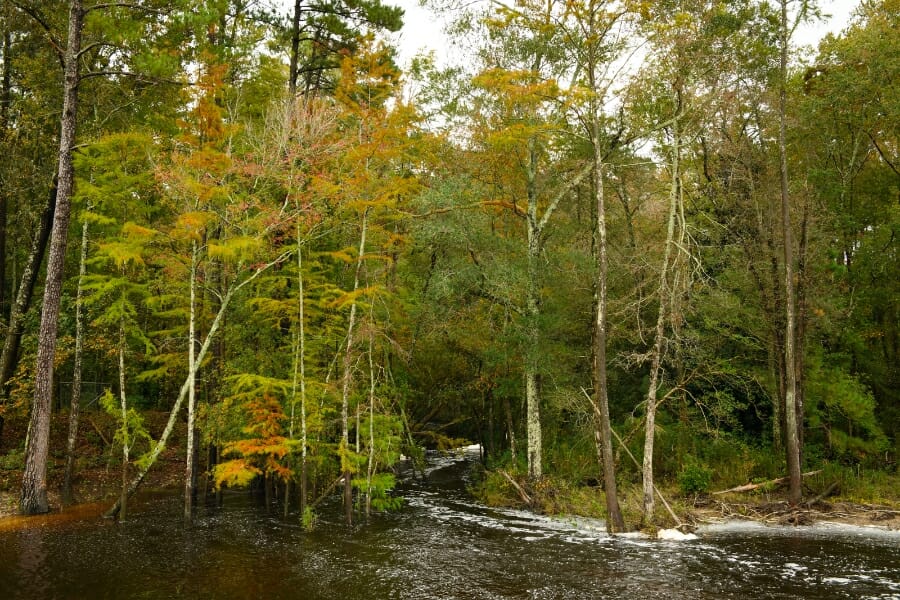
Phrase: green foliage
x=131 y=430
x=14 y=460
x=694 y=477
x=379 y=488
x=842 y=412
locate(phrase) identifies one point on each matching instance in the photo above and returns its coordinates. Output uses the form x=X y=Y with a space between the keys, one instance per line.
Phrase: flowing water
x=442 y=544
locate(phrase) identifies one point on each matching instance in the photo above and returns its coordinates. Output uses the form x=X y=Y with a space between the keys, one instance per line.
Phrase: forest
x=624 y=246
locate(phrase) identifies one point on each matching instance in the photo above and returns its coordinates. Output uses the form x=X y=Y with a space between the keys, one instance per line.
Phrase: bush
x=694 y=478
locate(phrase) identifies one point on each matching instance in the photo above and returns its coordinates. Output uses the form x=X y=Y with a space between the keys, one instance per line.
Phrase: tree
x=34 y=487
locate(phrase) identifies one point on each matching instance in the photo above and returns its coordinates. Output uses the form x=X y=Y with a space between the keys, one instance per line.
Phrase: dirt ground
x=98 y=474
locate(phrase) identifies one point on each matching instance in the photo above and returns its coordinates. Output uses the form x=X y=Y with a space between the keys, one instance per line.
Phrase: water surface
x=442 y=544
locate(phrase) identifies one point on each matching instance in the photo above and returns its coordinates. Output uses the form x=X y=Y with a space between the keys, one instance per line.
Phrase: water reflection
x=441 y=545
x=34 y=573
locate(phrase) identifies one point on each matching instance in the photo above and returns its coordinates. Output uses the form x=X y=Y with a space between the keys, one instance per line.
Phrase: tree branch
x=54 y=41
x=566 y=189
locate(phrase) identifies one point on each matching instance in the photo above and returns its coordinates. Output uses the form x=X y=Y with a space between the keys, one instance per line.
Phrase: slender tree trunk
x=664 y=297
x=345 y=382
x=792 y=445
x=301 y=363
x=123 y=404
x=370 y=466
x=800 y=335
x=10 y=355
x=34 y=481
x=75 y=406
x=533 y=307
x=5 y=103
x=192 y=392
x=614 y=522
x=510 y=429
x=160 y=445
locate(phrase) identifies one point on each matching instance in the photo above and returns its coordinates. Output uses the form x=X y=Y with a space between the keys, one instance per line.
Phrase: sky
x=422 y=29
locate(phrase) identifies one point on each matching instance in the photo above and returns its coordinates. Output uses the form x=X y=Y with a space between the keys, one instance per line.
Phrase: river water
x=442 y=544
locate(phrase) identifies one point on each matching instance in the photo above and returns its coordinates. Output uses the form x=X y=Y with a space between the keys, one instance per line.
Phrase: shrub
x=694 y=478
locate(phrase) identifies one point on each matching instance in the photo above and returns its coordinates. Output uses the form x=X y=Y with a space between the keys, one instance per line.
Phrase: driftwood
x=752 y=486
x=525 y=497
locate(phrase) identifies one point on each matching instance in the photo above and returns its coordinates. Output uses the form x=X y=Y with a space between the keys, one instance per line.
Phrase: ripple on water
x=442 y=544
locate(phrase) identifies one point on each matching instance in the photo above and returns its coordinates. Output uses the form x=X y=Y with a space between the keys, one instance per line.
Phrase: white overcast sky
x=423 y=30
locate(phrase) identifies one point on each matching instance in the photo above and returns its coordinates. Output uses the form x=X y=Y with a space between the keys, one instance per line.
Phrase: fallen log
x=752 y=486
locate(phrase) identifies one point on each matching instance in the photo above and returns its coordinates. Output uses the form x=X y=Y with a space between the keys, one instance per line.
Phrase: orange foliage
x=262 y=451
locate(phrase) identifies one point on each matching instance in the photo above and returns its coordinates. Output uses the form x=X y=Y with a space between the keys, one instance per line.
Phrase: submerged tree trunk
x=34 y=481
x=75 y=404
x=345 y=381
x=792 y=427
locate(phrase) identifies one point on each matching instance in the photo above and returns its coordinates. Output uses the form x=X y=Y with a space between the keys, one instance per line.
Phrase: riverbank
x=557 y=497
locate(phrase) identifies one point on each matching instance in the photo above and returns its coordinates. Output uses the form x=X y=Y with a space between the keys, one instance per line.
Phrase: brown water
x=440 y=545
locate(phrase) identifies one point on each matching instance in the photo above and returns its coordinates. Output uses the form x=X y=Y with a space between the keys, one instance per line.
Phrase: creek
x=441 y=544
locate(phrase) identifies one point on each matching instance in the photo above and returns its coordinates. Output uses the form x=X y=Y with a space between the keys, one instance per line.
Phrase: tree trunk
x=191 y=376
x=345 y=381
x=34 y=481
x=123 y=404
x=5 y=103
x=533 y=304
x=10 y=356
x=301 y=363
x=614 y=522
x=510 y=429
x=192 y=393
x=664 y=297
x=298 y=382
x=792 y=441
x=293 y=72
x=75 y=405
x=370 y=465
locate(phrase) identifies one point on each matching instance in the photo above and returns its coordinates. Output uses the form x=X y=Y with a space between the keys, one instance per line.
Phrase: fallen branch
x=627 y=451
x=752 y=486
x=828 y=491
x=327 y=491
x=525 y=497
x=99 y=432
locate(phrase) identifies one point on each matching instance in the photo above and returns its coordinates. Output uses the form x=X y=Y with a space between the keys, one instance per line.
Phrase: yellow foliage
x=235 y=473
